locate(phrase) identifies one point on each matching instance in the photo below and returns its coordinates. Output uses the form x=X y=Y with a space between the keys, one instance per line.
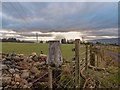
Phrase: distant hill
x=107 y=41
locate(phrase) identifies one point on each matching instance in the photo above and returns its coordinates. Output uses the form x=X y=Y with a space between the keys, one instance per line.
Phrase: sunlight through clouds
x=54 y=20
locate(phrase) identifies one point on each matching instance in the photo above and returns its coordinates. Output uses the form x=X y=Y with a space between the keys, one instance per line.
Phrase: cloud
x=89 y=19
x=83 y=15
x=4 y=31
x=31 y=35
x=45 y=36
x=11 y=18
x=62 y=1
x=103 y=32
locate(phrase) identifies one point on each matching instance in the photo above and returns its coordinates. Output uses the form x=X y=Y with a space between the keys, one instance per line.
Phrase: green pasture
x=28 y=48
x=113 y=48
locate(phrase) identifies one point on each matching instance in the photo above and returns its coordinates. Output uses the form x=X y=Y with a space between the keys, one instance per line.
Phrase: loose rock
x=12 y=70
x=21 y=70
x=25 y=74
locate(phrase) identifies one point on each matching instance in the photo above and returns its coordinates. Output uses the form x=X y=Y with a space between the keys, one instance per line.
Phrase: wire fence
x=90 y=53
x=66 y=79
x=79 y=72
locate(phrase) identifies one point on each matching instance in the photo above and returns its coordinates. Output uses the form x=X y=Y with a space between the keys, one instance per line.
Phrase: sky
x=57 y=20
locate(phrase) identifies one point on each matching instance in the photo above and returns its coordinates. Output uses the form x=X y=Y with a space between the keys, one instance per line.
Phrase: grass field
x=28 y=48
x=114 y=48
x=107 y=79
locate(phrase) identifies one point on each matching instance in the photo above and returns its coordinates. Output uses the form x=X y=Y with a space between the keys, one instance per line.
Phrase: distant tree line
x=14 y=40
x=100 y=43
x=71 y=41
x=63 y=41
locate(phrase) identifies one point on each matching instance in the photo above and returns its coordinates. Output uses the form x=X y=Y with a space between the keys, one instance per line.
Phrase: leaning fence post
x=77 y=63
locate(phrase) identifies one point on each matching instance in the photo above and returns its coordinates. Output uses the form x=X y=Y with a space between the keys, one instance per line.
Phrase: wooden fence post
x=86 y=62
x=96 y=59
x=92 y=56
x=50 y=77
x=77 y=63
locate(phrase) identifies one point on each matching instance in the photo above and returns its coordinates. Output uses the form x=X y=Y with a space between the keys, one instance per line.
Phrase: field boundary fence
x=71 y=74
x=87 y=59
